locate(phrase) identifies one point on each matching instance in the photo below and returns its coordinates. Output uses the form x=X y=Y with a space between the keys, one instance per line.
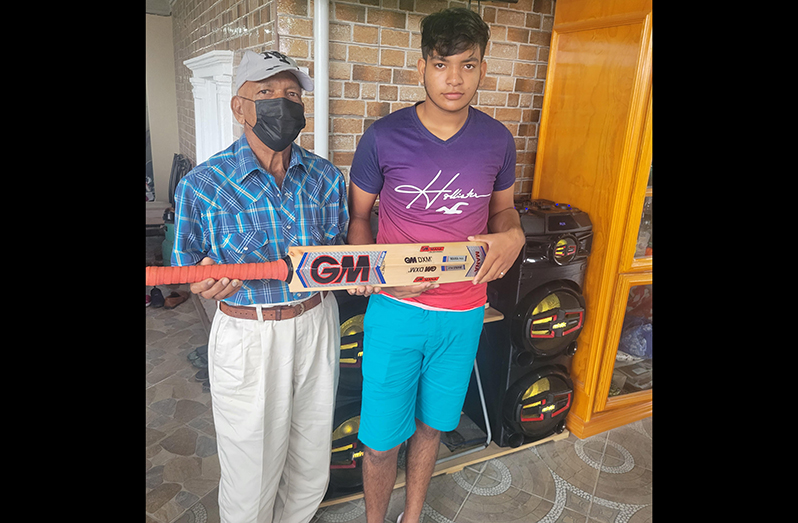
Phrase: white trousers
x=273 y=389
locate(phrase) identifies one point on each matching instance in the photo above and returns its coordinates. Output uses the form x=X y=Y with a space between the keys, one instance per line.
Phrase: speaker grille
x=548 y=320
x=538 y=402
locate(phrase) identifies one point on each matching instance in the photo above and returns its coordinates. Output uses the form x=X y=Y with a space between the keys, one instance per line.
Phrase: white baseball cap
x=259 y=66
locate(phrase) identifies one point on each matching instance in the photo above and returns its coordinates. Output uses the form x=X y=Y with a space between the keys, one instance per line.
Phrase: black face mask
x=279 y=122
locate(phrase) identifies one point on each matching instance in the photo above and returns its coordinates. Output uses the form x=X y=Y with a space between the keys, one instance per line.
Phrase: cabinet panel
x=592 y=11
x=628 y=357
x=645 y=244
x=586 y=133
x=595 y=153
x=634 y=358
x=638 y=248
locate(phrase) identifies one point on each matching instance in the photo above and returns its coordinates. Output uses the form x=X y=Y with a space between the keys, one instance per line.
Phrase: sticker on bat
x=425 y=268
x=318 y=270
x=478 y=255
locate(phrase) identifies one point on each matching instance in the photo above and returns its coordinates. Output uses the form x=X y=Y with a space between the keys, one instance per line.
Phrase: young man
x=444 y=171
x=272 y=354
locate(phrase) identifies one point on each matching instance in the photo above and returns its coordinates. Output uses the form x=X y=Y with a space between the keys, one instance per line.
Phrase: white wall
x=161 y=100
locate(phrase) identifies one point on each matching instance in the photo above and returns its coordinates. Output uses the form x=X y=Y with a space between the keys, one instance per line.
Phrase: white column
x=321 y=82
x=212 y=86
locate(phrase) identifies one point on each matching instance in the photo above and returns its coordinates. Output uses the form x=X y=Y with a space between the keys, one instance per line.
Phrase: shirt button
x=246 y=248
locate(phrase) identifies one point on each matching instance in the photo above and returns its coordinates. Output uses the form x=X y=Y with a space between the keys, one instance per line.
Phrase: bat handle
x=277 y=270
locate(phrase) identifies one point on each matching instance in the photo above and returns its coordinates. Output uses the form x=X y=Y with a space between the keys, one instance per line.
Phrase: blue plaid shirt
x=230 y=209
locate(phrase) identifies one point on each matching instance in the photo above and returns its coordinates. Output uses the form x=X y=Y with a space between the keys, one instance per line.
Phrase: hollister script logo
x=431 y=195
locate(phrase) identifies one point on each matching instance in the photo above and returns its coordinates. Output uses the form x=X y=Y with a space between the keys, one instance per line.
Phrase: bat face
x=348 y=266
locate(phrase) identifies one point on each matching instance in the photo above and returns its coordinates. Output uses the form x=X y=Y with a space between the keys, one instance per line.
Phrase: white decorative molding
x=212 y=82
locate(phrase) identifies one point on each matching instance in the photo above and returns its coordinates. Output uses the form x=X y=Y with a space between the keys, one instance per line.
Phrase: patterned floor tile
x=347 y=512
x=445 y=498
x=182 y=462
x=503 y=506
x=636 y=440
x=573 y=459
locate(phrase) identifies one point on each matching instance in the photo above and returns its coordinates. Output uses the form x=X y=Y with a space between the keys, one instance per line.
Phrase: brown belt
x=281 y=312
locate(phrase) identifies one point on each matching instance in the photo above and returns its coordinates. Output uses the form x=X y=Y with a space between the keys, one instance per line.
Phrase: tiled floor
x=603 y=479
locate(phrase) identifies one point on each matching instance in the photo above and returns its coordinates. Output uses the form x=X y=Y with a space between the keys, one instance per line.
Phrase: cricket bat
x=336 y=267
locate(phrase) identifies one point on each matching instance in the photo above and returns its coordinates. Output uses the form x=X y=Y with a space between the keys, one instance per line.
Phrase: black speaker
x=524 y=359
x=347 y=452
x=351 y=310
x=346 y=459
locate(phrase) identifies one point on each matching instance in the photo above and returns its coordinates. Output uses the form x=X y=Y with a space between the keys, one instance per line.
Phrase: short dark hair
x=453 y=31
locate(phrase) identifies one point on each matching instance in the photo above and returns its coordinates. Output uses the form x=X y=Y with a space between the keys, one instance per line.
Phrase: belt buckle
x=301 y=309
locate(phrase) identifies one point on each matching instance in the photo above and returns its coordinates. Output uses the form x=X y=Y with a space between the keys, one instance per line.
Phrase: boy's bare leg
x=422 y=453
x=379 y=477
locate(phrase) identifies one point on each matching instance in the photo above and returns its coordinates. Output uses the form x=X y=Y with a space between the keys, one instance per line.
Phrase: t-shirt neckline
x=426 y=132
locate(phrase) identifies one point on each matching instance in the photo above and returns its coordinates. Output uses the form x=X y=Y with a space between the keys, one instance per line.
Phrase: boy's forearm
x=359 y=231
x=505 y=221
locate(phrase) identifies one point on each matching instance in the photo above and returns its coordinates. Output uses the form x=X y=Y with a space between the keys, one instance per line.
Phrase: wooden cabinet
x=595 y=153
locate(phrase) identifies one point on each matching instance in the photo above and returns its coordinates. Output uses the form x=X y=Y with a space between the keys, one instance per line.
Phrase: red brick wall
x=374 y=47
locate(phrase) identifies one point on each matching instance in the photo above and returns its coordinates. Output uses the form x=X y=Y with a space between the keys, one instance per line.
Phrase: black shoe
x=156 y=298
x=202 y=375
x=201 y=362
x=199 y=352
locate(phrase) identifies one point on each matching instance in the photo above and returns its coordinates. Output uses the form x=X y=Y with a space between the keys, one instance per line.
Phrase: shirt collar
x=248 y=162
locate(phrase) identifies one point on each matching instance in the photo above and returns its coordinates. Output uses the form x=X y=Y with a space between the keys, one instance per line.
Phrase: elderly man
x=272 y=354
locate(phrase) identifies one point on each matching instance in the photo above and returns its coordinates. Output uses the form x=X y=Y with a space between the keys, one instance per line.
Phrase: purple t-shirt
x=433 y=190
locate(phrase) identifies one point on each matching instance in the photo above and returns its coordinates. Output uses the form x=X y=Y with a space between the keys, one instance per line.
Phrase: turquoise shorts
x=417 y=363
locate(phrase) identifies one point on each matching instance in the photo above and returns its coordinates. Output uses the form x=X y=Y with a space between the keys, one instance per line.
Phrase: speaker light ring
x=563 y=249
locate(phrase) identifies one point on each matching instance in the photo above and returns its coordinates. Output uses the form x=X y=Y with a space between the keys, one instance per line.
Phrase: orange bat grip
x=276 y=270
